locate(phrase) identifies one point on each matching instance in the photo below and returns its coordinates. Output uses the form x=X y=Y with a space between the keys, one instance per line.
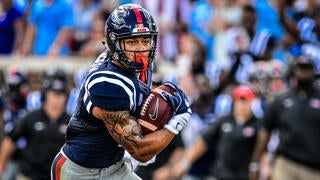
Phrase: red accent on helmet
x=243 y=91
x=138 y=15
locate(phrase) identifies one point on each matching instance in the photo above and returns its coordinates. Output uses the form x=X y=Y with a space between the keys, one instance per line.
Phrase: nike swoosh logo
x=177 y=125
x=155 y=111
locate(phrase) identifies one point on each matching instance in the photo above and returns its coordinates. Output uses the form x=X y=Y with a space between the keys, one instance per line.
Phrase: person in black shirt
x=44 y=130
x=15 y=94
x=295 y=114
x=234 y=135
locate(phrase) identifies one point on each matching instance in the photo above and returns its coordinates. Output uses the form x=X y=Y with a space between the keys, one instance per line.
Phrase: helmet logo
x=117 y=18
x=140 y=28
x=116 y=56
x=112 y=37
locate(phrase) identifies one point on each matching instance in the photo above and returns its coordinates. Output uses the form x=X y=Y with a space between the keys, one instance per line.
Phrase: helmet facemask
x=140 y=61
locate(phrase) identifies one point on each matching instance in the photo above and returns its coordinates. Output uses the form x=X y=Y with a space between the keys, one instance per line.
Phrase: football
x=155 y=111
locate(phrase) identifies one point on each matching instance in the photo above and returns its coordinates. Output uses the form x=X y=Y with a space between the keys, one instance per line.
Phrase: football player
x=104 y=123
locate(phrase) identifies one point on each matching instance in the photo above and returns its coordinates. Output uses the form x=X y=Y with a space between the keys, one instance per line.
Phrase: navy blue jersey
x=88 y=142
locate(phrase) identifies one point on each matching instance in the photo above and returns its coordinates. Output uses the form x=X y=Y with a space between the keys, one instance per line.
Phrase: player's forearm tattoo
x=121 y=129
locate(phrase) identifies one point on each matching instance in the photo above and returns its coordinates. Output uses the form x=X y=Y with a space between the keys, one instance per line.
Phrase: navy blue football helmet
x=128 y=21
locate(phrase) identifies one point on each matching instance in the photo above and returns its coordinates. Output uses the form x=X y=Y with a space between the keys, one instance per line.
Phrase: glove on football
x=182 y=111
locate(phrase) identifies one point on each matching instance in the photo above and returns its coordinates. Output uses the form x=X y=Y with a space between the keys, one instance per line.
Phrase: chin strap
x=142 y=59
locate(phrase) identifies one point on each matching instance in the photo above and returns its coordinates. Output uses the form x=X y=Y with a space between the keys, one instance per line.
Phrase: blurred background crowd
x=207 y=47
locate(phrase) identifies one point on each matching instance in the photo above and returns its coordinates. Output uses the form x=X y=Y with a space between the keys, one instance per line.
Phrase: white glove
x=177 y=122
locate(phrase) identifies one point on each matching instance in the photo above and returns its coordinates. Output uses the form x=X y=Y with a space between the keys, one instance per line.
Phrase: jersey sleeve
x=108 y=92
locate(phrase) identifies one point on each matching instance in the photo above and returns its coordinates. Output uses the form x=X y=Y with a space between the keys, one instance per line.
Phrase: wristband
x=171 y=129
x=254 y=167
x=185 y=163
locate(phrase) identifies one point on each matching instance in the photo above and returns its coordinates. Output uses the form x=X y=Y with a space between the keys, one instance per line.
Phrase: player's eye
x=130 y=42
x=146 y=42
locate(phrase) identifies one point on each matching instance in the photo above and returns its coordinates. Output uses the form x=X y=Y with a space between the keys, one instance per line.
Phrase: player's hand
x=179 y=100
x=182 y=110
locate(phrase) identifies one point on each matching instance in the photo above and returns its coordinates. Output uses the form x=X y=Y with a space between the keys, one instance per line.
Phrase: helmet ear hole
x=129 y=21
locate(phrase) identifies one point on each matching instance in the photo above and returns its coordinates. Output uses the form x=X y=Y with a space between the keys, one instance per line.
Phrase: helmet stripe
x=138 y=15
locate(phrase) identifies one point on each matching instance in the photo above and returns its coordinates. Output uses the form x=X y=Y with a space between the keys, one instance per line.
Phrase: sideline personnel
x=295 y=113
x=44 y=130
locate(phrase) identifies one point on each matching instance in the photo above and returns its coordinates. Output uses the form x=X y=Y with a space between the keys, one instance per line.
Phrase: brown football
x=155 y=111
